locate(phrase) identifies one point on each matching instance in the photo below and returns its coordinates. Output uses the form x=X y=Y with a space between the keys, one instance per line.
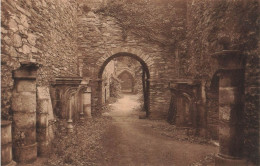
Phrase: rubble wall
x=213 y=26
x=40 y=31
x=100 y=35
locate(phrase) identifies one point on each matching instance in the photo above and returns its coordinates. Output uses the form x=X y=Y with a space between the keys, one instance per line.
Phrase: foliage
x=159 y=21
x=83 y=147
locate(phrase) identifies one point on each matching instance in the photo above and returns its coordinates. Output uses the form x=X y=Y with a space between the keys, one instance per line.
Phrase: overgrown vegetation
x=83 y=147
x=158 y=21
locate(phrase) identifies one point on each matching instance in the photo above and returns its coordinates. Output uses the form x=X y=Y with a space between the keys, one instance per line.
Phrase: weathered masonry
x=54 y=53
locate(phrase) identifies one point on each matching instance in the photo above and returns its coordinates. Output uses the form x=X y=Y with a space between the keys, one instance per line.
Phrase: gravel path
x=120 y=138
x=131 y=141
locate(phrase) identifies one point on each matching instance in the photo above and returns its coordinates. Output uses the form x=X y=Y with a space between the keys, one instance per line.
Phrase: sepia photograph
x=130 y=83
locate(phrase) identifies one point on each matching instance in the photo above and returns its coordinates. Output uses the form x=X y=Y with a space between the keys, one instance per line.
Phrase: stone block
x=44 y=93
x=26 y=49
x=42 y=134
x=224 y=132
x=23 y=136
x=231 y=79
x=225 y=112
x=13 y=25
x=43 y=148
x=87 y=98
x=25 y=74
x=50 y=133
x=6 y=153
x=6 y=135
x=26 y=86
x=42 y=120
x=87 y=110
x=24 y=120
x=25 y=154
x=24 y=102
x=7 y=40
x=17 y=40
x=6 y=142
x=24 y=21
x=32 y=39
x=228 y=95
x=42 y=106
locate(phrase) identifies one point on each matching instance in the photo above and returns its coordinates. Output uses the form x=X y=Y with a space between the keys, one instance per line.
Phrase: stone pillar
x=71 y=110
x=231 y=64
x=42 y=127
x=82 y=107
x=96 y=96
x=6 y=143
x=87 y=102
x=179 y=117
x=202 y=110
x=176 y=94
x=24 y=113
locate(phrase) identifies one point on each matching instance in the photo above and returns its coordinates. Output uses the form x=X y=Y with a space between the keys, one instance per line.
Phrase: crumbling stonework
x=101 y=37
x=115 y=87
x=71 y=40
x=24 y=113
x=41 y=31
x=221 y=25
x=107 y=75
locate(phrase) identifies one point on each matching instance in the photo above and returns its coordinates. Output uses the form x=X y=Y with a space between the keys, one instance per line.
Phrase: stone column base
x=12 y=163
x=69 y=126
x=43 y=148
x=26 y=154
x=224 y=161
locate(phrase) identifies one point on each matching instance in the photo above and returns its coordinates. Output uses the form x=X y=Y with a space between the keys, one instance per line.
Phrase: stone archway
x=128 y=81
x=125 y=70
x=145 y=61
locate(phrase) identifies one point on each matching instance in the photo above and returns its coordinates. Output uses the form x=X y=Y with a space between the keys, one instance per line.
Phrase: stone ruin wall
x=100 y=35
x=39 y=31
x=108 y=73
x=214 y=26
x=46 y=32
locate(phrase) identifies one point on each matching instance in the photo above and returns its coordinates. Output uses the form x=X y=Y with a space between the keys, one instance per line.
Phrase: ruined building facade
x=54 y=53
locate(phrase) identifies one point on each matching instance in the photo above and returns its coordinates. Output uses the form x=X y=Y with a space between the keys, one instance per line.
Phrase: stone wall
x=38 y=31
x=115 y=87
x=107 y=75
x=101 y=37
x=216 y=25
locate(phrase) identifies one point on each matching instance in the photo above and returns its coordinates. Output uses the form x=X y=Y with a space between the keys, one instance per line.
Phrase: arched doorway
x=127 y=81
x=145 y=77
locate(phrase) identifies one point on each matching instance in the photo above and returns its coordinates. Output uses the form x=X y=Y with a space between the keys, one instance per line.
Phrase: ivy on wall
x=158 y=21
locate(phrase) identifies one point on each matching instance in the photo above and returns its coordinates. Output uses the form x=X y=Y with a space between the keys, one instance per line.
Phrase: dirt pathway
x=129 y=141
